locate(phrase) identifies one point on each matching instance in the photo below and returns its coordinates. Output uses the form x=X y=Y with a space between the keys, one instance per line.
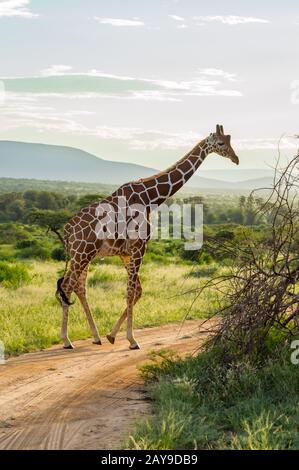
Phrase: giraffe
x=86 y=234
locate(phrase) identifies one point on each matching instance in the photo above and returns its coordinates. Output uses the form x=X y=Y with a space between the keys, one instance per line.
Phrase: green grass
x=30 y=315
x=202 y=403
x=13 y=275
x=7 y=252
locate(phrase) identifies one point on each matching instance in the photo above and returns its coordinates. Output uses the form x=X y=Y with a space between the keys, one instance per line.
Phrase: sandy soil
x=86 y=398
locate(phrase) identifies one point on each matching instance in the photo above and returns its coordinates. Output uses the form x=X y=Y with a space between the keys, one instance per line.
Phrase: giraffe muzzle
x=235 y=159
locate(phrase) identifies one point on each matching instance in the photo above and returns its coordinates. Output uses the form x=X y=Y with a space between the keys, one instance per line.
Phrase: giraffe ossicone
x=120 y=225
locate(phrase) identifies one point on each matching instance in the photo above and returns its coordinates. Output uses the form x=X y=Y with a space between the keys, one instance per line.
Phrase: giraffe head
x=220 y=143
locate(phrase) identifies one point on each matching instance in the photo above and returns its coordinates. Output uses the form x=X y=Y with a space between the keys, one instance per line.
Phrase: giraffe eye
x=220 y=143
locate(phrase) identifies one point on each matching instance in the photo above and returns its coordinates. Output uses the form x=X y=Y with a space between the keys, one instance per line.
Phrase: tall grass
x=199 y=403
x=13 y=275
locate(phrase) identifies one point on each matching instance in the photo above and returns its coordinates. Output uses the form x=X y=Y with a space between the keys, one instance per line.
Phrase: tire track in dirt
x=86 y=398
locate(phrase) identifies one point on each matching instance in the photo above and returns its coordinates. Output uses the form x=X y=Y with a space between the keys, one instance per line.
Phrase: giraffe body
x=86 y=235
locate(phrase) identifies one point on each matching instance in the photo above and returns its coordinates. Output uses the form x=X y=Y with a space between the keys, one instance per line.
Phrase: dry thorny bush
x=259 y=293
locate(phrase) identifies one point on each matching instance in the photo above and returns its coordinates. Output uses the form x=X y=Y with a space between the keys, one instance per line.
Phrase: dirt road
x=86 y=398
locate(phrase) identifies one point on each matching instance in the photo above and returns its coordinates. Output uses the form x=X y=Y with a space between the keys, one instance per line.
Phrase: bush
x=35 y=251
x=153 y=257
x=189 y=255
x=11 y=232
x=13 y=275
x=58 y=253
x=204 y=257
x=26 y=244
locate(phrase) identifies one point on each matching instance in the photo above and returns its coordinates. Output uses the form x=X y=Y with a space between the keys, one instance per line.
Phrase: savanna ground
x=85 y=398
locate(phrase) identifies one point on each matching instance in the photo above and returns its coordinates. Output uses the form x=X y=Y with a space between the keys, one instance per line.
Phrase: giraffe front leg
x=111 y=337
x=133 y=288
x=65 y=286
x=80 y=290
x=90 y=319
x=130 y=334
x=132 y=285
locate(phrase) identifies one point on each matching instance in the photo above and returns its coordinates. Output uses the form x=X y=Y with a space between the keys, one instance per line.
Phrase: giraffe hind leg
x=60 y=294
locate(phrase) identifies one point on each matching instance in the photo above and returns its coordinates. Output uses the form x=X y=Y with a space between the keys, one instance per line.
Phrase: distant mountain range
x=58 y=163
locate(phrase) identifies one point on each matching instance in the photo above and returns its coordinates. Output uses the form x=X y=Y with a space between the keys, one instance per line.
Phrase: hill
x=57 y=163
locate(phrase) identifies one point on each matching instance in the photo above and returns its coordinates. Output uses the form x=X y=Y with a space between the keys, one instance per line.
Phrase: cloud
x=22 y=112
x=119 y=21
x=45 y=119
x=218 y=73
x=94 y=83
x=200 y=86
x=2 y=93
x=151 y=95
x=154 y=140
x=56 y=70
x=230 y=19
x=16 y=8
x=30 y=114
x=177 y=18
x=286 y=142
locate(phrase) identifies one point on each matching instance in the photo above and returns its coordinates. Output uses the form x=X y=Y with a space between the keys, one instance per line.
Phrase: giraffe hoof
x=70 y=346
x=97 y=342
x=134 y=346
x=110 y=339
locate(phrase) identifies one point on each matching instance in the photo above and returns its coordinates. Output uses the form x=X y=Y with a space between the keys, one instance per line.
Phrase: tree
x=260 y=293
x=52 y=220
x=15 y=210
x=89 y=199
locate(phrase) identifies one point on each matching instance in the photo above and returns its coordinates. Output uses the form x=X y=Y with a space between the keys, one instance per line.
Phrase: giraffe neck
x=168 y=182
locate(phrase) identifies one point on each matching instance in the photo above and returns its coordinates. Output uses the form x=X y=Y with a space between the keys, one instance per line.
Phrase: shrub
x=189 y=255
x=21 y=244
x=204 y=257
x=13 y=275
x=58 y=254
x=35 y=251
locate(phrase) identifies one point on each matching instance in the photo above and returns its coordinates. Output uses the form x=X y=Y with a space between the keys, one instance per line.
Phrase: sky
x=143 y=82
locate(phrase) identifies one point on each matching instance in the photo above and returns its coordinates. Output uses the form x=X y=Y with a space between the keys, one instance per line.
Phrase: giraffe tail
x=60 y=294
